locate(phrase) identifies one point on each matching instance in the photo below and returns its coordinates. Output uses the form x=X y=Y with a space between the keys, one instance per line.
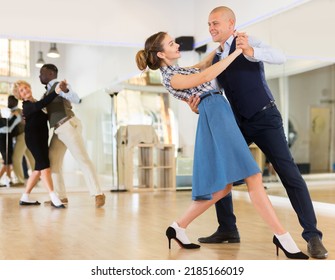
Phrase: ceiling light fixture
x=53 y=52
x=40 y=61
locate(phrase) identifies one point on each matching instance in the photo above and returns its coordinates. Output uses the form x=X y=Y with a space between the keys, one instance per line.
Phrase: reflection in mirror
x=305 y=94
x=299 y=86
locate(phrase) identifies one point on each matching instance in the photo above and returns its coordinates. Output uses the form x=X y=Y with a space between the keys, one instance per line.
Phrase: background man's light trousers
x=69 y=136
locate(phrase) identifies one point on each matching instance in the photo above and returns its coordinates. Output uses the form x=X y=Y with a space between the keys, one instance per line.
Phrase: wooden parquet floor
x=131 y=226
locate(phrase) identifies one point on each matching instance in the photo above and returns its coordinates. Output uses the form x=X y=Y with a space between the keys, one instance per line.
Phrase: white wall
x=247 y=13
x=302 y=32
x=101 y=22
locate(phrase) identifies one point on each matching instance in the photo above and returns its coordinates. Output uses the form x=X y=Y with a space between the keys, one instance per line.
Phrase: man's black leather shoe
x=316 y=249
x=220 y=237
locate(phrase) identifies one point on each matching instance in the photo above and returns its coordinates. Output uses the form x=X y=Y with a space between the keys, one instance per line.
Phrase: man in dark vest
x=244 y=84
x=67 y=134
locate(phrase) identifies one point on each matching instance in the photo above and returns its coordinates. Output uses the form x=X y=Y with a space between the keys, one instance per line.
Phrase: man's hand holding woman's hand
x=63 y=86
x=193 y=102
x=242 y=43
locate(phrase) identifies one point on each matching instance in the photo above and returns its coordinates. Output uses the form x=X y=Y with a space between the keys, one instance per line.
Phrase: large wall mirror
x=304 y=88
x=305 y=95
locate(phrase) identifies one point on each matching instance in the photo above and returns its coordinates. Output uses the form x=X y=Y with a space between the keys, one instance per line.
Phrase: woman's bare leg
x=31 y=182
x=262 y=203
x=47 y=180
x=200 y=206
x=177 y=229
x=5 y=169
x=264 y=207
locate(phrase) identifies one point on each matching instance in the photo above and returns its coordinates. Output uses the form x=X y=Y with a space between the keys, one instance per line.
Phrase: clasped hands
x=241 y=43
x=62 y=86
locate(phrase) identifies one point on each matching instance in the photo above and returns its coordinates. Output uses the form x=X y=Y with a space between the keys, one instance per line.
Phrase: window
x=4 y=87
x=14 y=58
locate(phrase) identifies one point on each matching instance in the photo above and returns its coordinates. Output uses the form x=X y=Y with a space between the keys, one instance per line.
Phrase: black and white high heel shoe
x=177 y=233
x=298 y=256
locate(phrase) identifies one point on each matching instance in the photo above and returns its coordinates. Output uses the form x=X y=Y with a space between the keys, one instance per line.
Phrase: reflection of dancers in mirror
x=8 y=121
x=21 y=154
x=36 y=137
x=221 y=154
x=113 y=94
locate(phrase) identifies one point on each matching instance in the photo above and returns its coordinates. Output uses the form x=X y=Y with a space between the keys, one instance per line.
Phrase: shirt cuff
x=57 y=89
x=255 y=58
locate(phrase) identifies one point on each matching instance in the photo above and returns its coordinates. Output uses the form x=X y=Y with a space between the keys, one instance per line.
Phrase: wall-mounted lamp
x=53 y=52
x=40 y=61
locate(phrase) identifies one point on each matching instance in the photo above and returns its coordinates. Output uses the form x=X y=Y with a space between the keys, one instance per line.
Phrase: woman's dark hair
x=148 y=56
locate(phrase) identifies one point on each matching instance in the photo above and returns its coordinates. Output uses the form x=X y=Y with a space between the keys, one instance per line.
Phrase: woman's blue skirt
x=221 y=155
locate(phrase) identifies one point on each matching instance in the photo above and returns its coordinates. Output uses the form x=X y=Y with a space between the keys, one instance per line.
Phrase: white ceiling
x=128 y=22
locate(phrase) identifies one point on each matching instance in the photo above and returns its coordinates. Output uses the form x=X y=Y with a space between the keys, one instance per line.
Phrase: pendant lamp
x=53 y=52
x=40 y=61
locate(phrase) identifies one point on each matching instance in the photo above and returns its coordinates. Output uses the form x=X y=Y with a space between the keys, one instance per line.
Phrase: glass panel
x=19 y=58
x=4 y=57
x=14 y=58
x=4 y=87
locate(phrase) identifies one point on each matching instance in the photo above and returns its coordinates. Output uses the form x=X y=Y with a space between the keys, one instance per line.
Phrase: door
x=319 y=149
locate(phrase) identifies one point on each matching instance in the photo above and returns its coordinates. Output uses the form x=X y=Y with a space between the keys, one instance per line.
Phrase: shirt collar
x=51 y=83
x=229 y=42
x=171 y=67
x=227 y=45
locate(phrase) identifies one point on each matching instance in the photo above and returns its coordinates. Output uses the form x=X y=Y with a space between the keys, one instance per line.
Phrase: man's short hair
x=12 y=101
x=51 y=67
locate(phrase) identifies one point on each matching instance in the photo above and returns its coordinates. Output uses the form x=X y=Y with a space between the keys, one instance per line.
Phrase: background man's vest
x=58 y=109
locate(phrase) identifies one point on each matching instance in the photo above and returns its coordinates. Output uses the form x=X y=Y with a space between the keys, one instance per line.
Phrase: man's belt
x=62 y=121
